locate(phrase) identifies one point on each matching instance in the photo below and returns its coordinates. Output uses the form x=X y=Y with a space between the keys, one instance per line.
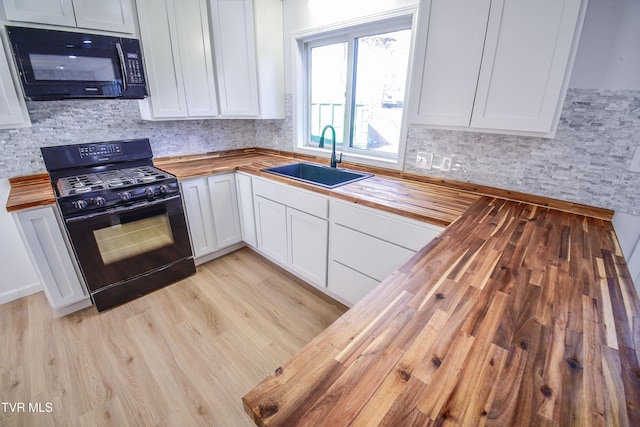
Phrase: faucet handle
x=339 y=160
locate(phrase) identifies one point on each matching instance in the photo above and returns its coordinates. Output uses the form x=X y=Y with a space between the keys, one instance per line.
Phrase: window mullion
x=350 y=95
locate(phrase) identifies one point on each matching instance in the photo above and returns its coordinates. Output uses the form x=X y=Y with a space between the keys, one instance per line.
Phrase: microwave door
x=70 y=67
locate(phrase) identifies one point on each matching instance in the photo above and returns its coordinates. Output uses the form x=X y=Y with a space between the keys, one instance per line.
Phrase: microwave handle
x=123 y=70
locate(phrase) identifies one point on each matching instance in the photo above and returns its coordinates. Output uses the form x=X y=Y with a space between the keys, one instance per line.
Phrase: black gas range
x=124 y=217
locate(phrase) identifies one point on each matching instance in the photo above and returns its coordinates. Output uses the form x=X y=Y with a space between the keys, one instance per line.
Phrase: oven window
x=123 y=241
x=71 y=68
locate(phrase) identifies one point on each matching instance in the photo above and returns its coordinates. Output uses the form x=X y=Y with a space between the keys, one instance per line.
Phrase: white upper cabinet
x=107 y=15
x=498 y=66
x=13 y=110
x=212 y=58
x=53 y=12
x=525 y=63
x=448 y=55
x=179 y=63
x=235 y=56
x=248 y=46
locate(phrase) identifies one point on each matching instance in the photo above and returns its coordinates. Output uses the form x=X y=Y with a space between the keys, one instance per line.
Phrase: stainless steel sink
x=323 y=176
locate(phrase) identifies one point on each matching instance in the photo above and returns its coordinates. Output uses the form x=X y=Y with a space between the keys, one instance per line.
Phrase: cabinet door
x=524 y=65
x=53 y=12
x=222 y=190
x=245 y=206
x=107 y=15
x=450 y=36
x=308 y=243
x=366 y=254
x=52 y=257
x=233 y=38
x=13 y=110
x=193 y=34
x=162 y=59
x=349 y=284
x=271 y=224
x=197 y=202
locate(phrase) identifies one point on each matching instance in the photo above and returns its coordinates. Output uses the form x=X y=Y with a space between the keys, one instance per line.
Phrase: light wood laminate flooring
x=184 y=355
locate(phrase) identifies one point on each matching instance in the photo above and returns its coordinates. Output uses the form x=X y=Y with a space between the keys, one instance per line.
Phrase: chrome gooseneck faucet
x=334 y=160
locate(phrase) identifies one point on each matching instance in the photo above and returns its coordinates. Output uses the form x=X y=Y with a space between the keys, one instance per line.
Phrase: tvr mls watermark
x=30 y=407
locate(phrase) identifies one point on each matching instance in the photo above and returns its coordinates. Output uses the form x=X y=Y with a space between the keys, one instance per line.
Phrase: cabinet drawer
x=395 y=229
x=297 y=199
x=349 y=284
x=366 y=254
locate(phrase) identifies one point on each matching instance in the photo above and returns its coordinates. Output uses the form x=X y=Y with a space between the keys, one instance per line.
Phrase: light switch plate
x=635 y=162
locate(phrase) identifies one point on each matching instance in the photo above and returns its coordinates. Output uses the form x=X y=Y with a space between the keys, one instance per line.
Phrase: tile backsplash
x=587 y=161
x=70 y=122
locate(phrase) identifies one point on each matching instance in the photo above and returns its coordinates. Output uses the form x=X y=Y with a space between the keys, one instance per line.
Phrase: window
x=355 y=81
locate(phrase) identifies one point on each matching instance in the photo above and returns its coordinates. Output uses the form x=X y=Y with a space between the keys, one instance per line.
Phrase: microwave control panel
x=134 y=69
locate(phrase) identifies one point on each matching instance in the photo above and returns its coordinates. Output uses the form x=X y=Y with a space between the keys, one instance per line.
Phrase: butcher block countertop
x=435 y=204
x=514 y=315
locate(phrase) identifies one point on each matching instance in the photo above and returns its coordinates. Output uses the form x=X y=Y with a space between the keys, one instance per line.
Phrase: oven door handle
x=128 y=208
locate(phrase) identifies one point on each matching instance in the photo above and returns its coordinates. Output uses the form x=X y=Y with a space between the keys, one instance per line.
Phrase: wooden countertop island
x=514 y=315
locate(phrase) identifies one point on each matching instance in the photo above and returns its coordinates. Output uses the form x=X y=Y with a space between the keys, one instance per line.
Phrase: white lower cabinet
x=244 y=192
x=367 y=245
x=43 y=234
x=224 y=203
x=212 y=214
x=342 y=248
x=308 y=245
x=349 y=284
x=271 y=224
x=292 y=229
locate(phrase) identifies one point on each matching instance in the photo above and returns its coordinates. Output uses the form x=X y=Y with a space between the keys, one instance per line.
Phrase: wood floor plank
x=184 y=355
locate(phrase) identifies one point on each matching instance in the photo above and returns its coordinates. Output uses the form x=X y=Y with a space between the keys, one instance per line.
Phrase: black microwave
x=63 y=65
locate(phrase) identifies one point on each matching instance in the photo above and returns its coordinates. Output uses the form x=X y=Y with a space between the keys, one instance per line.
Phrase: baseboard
x=218 y=254
x=72 y=308
x=15 y=294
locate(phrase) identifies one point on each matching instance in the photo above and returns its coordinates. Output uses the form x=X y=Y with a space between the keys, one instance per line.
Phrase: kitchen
x=602 y=96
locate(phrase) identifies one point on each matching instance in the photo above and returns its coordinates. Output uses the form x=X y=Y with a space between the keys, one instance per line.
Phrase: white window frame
x=341 y=32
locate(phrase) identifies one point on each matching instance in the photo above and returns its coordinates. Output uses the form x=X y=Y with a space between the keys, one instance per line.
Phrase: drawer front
x=395 y=229
x=368 y=255
x=292 y=197
x=349 y=284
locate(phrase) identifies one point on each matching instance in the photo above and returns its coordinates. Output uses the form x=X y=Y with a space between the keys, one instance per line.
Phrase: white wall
x=608 y=56
x=17 y=277
x=300 y=15
x=628 y=231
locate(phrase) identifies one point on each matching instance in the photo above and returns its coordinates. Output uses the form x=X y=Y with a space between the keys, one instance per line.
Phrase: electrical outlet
x=635 y=162
x=424 y=160
x=446 y=164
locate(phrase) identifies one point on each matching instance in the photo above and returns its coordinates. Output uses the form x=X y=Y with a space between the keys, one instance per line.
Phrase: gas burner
x=118 y=178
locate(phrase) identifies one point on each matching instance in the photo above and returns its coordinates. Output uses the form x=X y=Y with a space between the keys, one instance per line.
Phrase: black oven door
x=120 y=244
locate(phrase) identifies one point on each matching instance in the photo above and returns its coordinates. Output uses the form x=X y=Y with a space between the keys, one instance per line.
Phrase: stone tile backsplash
x=77 y=121
x=587 y=161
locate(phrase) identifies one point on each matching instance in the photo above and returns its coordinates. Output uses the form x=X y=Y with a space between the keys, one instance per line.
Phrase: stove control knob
x=80 y=204
x=125 y=196
x=149 y=191
x=99 y=201
x=164 y=189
